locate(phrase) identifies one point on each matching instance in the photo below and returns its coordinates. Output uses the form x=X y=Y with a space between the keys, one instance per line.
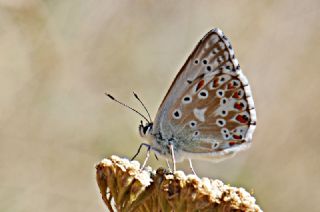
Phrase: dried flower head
x=124 y=187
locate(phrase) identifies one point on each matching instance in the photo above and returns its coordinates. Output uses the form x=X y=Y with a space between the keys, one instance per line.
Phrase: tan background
x=58 y=57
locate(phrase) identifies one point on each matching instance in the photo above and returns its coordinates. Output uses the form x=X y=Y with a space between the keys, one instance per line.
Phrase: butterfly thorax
x=158 y=143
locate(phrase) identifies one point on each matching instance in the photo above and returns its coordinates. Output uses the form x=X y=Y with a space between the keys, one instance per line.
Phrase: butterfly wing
x=208 y=108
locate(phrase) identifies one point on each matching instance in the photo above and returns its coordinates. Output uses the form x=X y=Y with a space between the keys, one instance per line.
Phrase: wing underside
x=209 y=107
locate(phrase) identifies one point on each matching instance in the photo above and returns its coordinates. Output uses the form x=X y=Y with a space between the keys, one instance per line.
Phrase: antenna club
x=136 y=96
x=111 y=97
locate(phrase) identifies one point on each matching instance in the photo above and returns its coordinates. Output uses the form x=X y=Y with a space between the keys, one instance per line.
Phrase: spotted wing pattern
x=209 y=107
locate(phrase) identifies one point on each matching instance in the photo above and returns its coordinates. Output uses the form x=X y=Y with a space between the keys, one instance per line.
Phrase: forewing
x=209 y=107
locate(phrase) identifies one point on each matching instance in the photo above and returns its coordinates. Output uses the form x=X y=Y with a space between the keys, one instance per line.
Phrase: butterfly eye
x=145 y=129
x=208 y=68
x=187 y=99
x=177 y=114
x=196 y=61
x=203 y=94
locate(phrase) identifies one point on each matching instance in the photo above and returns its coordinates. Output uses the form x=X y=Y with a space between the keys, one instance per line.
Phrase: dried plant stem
x=124 y=187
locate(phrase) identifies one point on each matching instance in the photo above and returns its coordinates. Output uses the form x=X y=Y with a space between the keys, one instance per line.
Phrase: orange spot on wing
x=231 y=143
x=235 y=95
x=200 y=85
x=215 y=83
x=242 y=119
x=230 y=85
x=237 y=136
x=238 y=106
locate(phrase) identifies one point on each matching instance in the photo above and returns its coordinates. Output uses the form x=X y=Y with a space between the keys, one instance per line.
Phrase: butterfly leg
x=190 y=164
x=155 y=155
x=141 y=145
x=168 y=164
x=173 y=158
x=147 y=157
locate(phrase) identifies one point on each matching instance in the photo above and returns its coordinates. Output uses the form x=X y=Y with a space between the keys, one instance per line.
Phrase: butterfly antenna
x=127 y=106
x=135 y=95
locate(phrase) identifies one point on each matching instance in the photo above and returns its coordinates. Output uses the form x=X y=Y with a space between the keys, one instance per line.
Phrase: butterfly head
x=145 y=130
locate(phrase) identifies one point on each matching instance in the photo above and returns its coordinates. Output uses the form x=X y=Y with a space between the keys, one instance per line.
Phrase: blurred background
x=57 y=58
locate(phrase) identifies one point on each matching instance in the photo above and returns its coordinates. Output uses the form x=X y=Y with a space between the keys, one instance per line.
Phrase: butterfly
x=208 y=112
